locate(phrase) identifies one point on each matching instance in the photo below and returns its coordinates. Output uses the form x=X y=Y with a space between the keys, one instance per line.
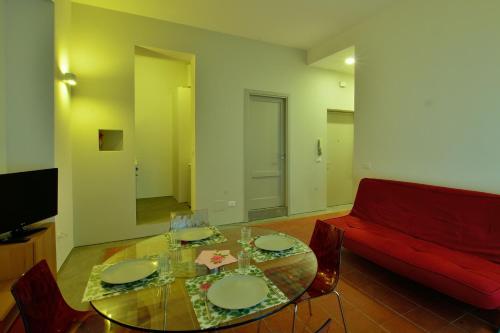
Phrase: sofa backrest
x=463 y=220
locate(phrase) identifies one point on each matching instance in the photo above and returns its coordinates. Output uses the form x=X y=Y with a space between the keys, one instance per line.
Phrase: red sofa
x=447 y=239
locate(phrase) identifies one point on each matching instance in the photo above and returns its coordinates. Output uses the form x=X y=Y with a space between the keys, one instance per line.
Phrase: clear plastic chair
x=189 y=219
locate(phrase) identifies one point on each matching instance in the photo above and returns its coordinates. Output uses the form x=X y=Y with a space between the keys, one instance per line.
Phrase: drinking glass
x=175 y=242
x=246 y=234
x=165 y=265
x=243 y=262
x=174 y=247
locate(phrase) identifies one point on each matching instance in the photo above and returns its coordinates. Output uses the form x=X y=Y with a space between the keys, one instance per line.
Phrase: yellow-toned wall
x=103 y=58
x=156 y=82
x=182 y=131
x=62 y=130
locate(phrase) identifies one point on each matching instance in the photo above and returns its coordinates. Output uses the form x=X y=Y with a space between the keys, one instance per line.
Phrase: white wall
x=27 y=118
x=427 y=80
x=29 y=52
x=345 y=99
x=3 y=119
x=63 y=156
x=156 y=82
x=225 y=67
x=182 y=131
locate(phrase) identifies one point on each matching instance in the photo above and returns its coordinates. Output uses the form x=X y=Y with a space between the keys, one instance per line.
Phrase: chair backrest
x=325 y=327
x=40 y=302
x=326 y=242
x=188 y=219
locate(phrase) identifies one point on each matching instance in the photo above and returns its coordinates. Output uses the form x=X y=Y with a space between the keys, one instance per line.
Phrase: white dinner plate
x=128 y=271
x=193 y=234
x=274 y=242
x=238 y=291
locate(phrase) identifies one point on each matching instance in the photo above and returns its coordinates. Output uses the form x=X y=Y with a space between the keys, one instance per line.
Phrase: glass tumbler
x=175 y=247
x=246 y=234
x=165 y=267
x=243 y=262
x=175 y=242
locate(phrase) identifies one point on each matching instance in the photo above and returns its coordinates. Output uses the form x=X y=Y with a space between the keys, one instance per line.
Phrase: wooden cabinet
x=15 y=259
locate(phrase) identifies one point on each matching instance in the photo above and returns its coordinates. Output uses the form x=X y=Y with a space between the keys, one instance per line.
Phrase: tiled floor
x=157 y=210
x=375 y=300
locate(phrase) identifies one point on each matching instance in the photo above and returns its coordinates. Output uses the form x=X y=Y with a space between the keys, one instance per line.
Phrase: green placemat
x=262 y=255
x=96 y=289
x=216 y=238
x=219 y=315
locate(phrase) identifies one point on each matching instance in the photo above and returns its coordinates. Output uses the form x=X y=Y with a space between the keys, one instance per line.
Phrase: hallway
x=157 y=210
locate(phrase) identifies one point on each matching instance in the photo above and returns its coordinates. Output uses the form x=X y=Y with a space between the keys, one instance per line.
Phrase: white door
x=265 y=160
x=340 y=139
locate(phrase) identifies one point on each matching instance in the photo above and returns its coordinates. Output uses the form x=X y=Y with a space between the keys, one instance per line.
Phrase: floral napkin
x=215 y=258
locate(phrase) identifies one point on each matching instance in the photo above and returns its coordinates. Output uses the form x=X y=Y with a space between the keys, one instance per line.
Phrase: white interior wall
x=29 y=84
x=156 y=82
x=104 y=184
x=3 y=119
x=183 y=142
x=27 y=137
x=427 y=79
x=63 y=157
x=344 y=100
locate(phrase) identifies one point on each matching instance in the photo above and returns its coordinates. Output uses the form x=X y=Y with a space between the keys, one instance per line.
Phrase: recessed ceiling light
x=350 y=61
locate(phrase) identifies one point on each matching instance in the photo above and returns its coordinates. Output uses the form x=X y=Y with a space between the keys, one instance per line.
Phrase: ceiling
x=295 y=23
x=336 y=61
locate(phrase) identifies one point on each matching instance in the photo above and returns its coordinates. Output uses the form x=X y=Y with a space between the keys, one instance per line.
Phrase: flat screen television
x=26 y=198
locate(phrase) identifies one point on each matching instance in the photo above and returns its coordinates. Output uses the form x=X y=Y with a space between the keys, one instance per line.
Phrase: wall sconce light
x=69 y=79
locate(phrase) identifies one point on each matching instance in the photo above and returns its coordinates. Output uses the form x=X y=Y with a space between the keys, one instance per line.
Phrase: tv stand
x=24 y=232
x=16 y=259
x=14 y=240
x=20 y=235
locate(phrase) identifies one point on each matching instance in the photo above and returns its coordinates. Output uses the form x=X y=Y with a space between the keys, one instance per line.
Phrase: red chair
x=326 y=242
x=325 y=327
x=43 y=308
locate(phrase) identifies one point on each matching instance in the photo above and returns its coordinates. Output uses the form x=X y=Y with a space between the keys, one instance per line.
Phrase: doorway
x=164 y=134
x=265 y=155
x=340 y=145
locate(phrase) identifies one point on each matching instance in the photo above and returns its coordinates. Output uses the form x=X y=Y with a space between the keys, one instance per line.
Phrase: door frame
x=326 y=164
x=286 y=100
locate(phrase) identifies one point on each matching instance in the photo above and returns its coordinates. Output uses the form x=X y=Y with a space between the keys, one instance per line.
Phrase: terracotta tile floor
x=377 y=300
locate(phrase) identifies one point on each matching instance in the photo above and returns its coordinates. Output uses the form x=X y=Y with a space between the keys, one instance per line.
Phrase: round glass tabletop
x=169 y=309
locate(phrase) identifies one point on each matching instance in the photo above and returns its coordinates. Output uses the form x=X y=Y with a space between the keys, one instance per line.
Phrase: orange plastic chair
x=43 y=308
x=326 y=242
x=325 y=327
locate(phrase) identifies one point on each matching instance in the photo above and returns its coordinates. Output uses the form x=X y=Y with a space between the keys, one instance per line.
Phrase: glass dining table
x=168 y=308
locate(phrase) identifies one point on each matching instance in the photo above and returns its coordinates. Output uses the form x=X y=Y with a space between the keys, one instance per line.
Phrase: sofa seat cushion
x=466 y=277
x=461 y=220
